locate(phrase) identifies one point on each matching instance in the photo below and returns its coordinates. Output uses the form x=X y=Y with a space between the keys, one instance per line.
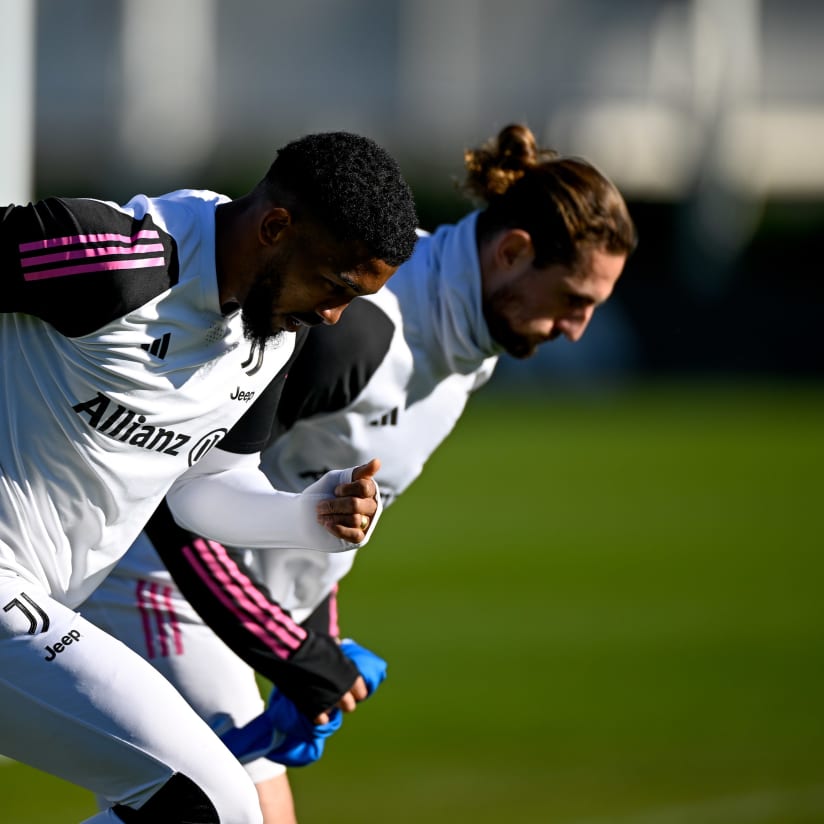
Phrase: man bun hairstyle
x=353 y=187
x=565 y=204
x=494 y=166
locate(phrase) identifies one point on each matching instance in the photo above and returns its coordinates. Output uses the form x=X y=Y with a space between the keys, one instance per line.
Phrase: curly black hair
x=353 y=187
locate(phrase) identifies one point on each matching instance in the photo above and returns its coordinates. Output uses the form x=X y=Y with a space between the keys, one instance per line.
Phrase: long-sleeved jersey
x=390 y=380
x=398 y=398
x=119 y=373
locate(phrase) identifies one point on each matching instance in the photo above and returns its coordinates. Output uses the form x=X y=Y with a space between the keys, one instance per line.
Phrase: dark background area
x=709 y=116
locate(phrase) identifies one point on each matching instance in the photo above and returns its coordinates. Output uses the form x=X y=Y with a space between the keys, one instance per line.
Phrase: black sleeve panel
x=79 y=264
x=321 y=619
x=335 y=364
x=308 y=667
x=252 y=432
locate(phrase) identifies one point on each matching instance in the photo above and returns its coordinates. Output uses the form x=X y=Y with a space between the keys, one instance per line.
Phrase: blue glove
x=298 y=751
x=371 y=667
x=283 y=734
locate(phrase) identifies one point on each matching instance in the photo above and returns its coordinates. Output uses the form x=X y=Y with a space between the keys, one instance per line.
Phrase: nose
x=331 y=315
x=573 y=328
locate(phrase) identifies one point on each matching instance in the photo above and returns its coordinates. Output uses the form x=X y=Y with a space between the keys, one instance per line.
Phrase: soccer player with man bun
x=133 y=339
x=534 y=263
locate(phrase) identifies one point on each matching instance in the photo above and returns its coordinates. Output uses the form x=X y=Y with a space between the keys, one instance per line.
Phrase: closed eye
x=342 y=288
x=352 y=284
x=579 y=301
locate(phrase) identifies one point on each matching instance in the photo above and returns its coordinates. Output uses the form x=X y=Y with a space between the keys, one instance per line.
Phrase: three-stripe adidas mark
x=158 y=347
x=58 y=257
x=389 y=419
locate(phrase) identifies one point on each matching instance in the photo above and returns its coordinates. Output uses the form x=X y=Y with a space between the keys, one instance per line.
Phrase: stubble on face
x=502 y=310
x=257 y=312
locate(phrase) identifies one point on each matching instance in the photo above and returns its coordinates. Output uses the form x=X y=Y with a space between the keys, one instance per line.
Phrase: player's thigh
x=151 y=617
x=77 y=703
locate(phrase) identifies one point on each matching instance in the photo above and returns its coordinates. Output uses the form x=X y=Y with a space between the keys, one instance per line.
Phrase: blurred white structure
x=725 y=97
x=168 y=117
x=16 y=100
x=664 y=95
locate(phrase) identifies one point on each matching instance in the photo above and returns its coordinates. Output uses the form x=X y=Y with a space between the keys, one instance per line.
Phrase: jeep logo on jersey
x=69 y=638
x=205 y=444
x=127 y=426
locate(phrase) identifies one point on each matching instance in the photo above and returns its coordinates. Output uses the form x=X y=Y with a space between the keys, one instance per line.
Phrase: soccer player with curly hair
x=134 y=338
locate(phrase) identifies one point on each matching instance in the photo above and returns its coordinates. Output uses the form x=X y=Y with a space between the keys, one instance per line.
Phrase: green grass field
x=599 y=610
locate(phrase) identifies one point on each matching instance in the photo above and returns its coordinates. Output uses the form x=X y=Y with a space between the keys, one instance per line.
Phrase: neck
x=229 y=252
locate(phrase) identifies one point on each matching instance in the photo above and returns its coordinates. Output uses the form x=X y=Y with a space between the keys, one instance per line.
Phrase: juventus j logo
x=255 y=350
x=16 y=602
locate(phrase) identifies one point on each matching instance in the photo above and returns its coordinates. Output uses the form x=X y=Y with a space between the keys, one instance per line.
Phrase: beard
x=499 y=310
x=256 y=312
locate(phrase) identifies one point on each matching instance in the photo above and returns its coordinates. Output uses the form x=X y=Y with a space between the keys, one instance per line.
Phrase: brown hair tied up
x=565 y=204
x=493 y=167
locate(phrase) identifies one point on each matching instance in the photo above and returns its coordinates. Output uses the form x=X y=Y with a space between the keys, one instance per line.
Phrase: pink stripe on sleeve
x=237 y=593
x=100 y=266
x=334 y=629
x=144 y=618
x=70 y=240
x=177 y=637
x=91 y=252
x=157 y=609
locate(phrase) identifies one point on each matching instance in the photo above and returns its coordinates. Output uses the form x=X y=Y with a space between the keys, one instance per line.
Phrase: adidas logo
x=389 y=419
x=158 y=347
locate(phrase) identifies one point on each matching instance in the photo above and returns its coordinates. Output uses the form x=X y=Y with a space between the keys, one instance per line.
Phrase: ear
x=514 y=247
x=273 y=222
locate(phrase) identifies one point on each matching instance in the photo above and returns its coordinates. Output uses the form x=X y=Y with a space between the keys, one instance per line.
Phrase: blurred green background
x=596 y=607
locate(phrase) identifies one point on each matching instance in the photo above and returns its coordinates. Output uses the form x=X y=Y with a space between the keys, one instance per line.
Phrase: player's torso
x=403 y=413
x=101 y=425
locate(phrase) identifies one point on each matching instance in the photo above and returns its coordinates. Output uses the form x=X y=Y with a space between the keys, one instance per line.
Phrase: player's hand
x=373 y=672
x=282 y=734
x=348 y=701
x=349 y=514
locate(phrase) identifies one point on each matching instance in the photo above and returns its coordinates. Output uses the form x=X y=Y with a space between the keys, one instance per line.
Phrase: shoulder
x=81 y=262
x=361 y=337
x=176 y=210
x=337 y=362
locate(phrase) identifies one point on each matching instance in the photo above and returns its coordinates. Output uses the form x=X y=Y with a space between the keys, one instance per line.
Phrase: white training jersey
x=396 y=398
x=389 y=380
x=119 y=372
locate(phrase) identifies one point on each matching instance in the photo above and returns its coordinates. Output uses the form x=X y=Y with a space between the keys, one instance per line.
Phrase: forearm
x=306 y=666
x=228 y=499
